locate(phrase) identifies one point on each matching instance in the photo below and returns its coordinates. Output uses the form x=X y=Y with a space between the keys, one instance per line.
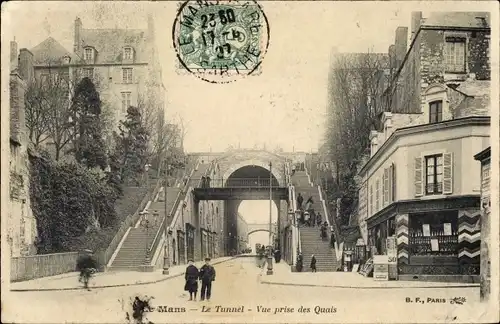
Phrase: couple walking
x=206 y=274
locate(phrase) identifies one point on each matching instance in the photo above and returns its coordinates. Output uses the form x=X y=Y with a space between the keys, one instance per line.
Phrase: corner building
x=418 y=185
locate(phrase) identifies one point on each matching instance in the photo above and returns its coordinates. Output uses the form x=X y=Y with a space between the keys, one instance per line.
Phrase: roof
x=484 y=154
x=477 y=102
x=110 y=42
x=51 y=52
x=457 y=19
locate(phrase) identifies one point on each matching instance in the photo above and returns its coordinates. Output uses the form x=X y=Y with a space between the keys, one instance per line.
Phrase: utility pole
x=270 y=254
x=166 y=258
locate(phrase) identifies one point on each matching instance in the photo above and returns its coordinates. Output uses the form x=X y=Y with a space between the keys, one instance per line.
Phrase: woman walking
x=191 y=278
x=313 y=263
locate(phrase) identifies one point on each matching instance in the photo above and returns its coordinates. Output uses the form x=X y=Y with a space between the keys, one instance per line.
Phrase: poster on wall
x=447 y=228
x=426 y=229
x=434 y=245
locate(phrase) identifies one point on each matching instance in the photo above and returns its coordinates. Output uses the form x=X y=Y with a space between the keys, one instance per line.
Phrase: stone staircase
x=132 y=254
x=313 y=244
x=310 y=239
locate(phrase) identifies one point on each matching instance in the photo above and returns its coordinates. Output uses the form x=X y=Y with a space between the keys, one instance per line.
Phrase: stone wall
x=425 y=65
x=21 y=225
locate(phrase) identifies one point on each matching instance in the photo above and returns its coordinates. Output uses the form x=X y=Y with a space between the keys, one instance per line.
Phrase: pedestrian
x=302 y=217
x=309 y=203
x=191 y=276
x=207 y=276
x=319 y=219
x=313 y=218
x=293 y=170
x=277 y=256
x=307 y=218
x=313 y=263
x=299 y=264
x=300 y=199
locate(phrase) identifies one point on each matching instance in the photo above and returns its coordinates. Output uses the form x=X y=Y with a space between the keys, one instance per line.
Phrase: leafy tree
x=130 y=155
x=89 y=146
x=68 y=200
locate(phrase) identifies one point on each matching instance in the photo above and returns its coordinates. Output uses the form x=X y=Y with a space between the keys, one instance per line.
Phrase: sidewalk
x=69 y=281
x=284 y=276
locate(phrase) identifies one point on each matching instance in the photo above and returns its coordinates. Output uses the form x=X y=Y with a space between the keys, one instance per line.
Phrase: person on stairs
x=307 y=219
x=309 y=203
x=299 y=264
x=323 y=231
x=191 y=276
x=319 y=219
x=300 y=199
x=313 y=263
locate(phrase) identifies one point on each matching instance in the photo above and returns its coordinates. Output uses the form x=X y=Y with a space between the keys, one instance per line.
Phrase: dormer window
x=435 y=111
x=88 y=54
x=128 y=53
x=66 y=59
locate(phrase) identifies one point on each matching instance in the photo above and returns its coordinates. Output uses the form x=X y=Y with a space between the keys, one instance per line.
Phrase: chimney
x=151 y=26
x=373 y=142
x=392 y=57
x=26 y=69
x=416 y=18
x=13 y=53
x=401 y=42
x=77 y=46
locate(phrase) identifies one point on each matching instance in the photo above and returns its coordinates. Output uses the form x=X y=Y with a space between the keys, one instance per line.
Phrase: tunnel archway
x=248 y=172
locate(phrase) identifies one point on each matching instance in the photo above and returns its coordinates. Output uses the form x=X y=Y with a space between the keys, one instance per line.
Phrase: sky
x=283 y=106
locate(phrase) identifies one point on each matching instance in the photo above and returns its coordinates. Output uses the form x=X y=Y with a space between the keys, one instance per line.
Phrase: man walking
x=300 y=199
x=207 y=275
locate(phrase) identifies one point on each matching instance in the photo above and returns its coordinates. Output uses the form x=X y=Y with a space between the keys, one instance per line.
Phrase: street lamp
x=145 y=224
x=166 y=258
x=270 y=254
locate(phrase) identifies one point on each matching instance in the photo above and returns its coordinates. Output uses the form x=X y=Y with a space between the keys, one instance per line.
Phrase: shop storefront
x=439 y=237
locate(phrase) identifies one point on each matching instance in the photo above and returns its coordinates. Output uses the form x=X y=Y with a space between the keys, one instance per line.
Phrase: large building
x=122 y=63
x=417 y=185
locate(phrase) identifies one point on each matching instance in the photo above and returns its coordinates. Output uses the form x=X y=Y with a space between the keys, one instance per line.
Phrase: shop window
x=433 y=233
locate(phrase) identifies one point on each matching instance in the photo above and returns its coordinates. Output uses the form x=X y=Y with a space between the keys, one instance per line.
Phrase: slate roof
x=51 y=52
x=457 y=19
x=110 y=42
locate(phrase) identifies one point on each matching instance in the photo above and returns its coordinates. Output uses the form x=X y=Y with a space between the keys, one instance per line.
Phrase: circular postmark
x=220 y=41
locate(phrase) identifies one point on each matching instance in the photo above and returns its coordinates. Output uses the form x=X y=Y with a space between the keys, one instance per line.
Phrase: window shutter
x=393 y=180
x=447 y=173
x=390 y=185
x=385 y=187
x=418 y=177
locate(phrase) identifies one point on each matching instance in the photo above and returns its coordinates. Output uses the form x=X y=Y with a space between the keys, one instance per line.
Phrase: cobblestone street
x=238 y=285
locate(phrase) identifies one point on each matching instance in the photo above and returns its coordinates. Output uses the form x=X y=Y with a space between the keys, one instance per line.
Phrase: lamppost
x=145 y=225
x=270 y=253
x=166 y=257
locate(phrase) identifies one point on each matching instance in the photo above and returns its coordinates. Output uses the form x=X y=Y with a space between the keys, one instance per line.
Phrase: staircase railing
x=332 y=223
x=173 y=211
x=129 y=221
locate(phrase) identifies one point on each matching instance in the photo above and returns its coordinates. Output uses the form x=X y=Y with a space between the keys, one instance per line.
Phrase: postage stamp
x=220 y=41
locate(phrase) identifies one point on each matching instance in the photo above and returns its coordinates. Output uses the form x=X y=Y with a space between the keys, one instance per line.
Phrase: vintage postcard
x=250 y=161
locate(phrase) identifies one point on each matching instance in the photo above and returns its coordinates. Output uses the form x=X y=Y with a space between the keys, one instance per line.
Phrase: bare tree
x=356 y=82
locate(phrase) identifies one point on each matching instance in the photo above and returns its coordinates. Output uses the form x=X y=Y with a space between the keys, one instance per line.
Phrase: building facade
x=21 y=224
x=122 y=63
x=242 y=233
x=485 y=158
x=416 y=186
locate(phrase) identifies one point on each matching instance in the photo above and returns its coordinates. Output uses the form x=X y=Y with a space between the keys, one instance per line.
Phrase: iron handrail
x=161 y=228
